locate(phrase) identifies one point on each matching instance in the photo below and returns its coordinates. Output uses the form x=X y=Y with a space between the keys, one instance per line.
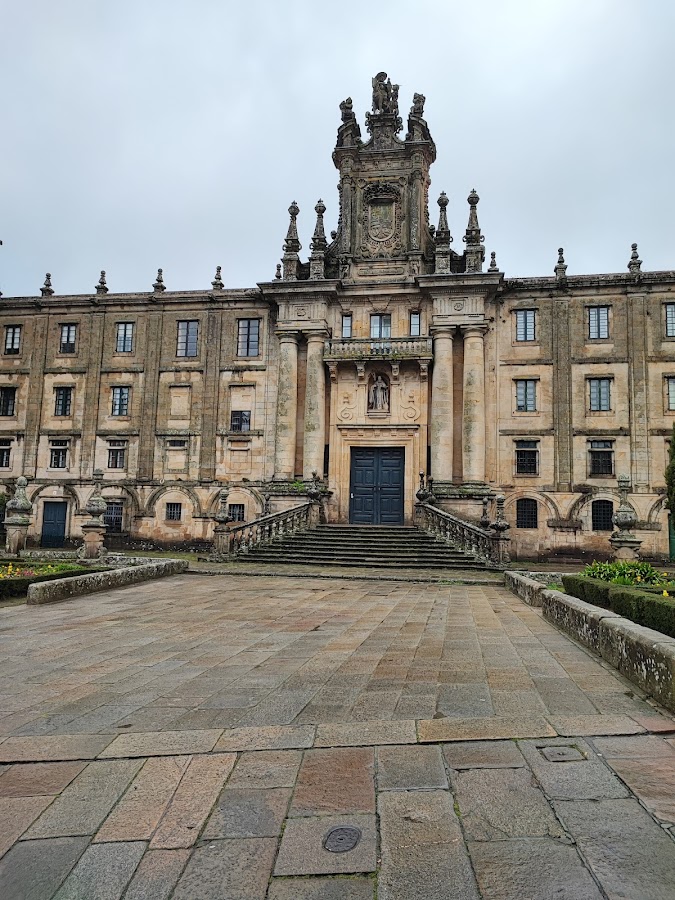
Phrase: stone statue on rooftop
x=385 y=95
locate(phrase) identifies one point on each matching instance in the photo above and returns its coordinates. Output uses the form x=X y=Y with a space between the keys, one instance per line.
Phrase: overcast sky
x=175 y=133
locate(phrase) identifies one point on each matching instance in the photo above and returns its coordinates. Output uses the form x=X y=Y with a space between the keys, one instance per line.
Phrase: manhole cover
x=340 y=840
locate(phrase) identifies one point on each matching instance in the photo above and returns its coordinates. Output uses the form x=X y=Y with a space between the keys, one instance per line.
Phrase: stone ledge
x=66 y=588
x=642 y=655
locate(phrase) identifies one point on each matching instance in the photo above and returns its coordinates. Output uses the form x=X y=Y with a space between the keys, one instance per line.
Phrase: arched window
x=601 y=515
x=526 y=513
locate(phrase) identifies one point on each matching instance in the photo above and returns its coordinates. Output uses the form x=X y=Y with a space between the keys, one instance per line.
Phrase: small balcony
x=379 y=348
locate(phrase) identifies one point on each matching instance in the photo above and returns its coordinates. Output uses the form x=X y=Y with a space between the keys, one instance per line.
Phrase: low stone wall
x=65 y=588
x=642 y=655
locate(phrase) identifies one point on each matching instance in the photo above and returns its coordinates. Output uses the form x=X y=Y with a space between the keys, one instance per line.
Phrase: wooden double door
x=376 y=486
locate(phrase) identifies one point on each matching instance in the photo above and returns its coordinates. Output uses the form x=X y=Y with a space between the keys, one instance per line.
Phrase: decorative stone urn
x=221 y=533
x=94 y=530
x=17 y=518
x=500 y=526
x=624 y=544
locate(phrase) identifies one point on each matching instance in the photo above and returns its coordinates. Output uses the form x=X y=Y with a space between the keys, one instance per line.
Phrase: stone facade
x=544 y=389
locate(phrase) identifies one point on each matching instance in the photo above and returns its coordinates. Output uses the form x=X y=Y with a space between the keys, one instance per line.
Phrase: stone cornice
x=101 y=303
x=647 y=281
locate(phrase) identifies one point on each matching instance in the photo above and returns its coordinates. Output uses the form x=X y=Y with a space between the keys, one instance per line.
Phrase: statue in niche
x=378 y=395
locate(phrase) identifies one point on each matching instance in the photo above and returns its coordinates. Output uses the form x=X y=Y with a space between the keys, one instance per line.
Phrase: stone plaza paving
x=199 y=737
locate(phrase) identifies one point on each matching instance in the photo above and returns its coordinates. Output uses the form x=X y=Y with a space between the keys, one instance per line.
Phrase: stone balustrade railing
x=482 y=543
x=248 y=535
x=382 y=348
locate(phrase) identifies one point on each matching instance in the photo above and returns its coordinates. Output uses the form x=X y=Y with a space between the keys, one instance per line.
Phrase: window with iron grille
x=124 y=342
x=525 y=324
x=598 y=322
x=240 y=420
x=380 y=326
x=601 y=457
x=7 y=401
x=114 y=515
x=188 y=337
x=68 y=338
x=5 y=453
x=527 y=457
x=248 y=337
x=174 y=512
x=526 y=513
x=414 y=324
x=12 y=339
x=526 y=395
x=236 y=511
x=599 y=394
x=120 y=401
x=117 y=454
x=63 y=398
x=347 y=326
x=670 y=319
x=601 y=515
x=670 y=391
x=58 y=454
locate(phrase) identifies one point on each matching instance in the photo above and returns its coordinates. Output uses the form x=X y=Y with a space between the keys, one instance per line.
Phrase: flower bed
x=636 y=591
x=16 y=576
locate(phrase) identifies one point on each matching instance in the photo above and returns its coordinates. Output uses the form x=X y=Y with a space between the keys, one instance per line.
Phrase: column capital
x=287 y=337
x=442 y=331
x=316 y=336
x=476 y=329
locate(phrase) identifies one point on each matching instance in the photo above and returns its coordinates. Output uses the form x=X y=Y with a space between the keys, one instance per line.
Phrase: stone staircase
x=376 y=546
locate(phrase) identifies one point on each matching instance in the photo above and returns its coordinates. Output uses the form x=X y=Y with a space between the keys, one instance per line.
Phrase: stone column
x=315 y=407
x=287 y=407
x=473 y=413
x=442 y=405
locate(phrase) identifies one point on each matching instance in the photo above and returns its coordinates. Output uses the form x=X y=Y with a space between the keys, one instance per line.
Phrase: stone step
x=375 y=562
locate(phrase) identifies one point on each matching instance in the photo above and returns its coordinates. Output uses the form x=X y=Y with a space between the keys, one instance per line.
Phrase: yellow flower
x=666 y=594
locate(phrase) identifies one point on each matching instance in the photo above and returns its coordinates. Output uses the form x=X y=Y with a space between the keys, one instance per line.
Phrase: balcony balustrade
x=379 y=348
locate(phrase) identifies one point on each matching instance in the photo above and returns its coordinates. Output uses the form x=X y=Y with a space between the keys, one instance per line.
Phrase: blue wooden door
x=53 y=524
x=376 y=486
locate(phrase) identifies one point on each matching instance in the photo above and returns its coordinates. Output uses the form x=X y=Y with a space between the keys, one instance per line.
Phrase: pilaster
x=287 y=406
x=442 y=412
x=473 y=419
x=315 y=406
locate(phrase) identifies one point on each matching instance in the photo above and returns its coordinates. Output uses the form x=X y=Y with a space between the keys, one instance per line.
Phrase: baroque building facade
x=386 y=355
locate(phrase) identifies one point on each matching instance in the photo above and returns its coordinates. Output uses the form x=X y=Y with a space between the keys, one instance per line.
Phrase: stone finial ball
x=473 y=197
x=293 y=209
x=443 y=200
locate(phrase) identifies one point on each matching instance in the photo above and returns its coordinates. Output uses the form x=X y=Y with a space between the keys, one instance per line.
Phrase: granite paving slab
x=302 y=850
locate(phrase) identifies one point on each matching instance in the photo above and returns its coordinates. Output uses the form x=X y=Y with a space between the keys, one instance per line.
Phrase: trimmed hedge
x=644 y=606
x=17 y=587
x=590 y=590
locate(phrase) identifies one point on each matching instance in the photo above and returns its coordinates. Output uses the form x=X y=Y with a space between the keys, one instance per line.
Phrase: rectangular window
x=7 y=401
x=63 y=397
x=525 y=324
x=188 y=337
x=117 y=451
x=12 y=339
x=58 y=454
x=114 y=515
x=670 y=392
x=236 y=511
x=380 y=326
x=176 y=445
x=526 y=513
x=124 y=341
x=527 y=457
x=68 y=337
x=240 y=420
x=5 y=452
x=599 y=394
x=120 y=401
x=598 y=322
x=601 y=461
x=414 y=324
x=670 y=319
x=174 y=512
x=248 y=337
x=347 y=326
x=526 y=395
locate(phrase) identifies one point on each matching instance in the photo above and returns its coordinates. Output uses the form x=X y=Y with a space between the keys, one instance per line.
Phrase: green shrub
x=590 y=590
x=624 y=572
x=628 y=602
x=659 y=613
